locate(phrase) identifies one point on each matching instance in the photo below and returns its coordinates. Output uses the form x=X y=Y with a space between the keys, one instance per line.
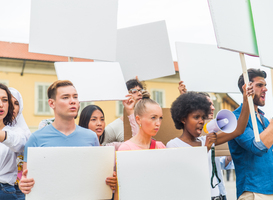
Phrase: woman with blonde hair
x=148 y=116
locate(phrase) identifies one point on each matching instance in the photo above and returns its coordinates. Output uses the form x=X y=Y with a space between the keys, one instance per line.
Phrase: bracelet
x=5 y=136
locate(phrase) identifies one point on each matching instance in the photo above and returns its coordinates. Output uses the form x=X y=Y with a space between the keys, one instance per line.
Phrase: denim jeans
x=7 y=192
x=20 y=195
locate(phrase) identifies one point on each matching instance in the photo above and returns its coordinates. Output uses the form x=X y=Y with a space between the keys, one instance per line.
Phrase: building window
x=158 y=96
x=119 y=108
x=42 y=107
x=83 y=105
x=5 y=82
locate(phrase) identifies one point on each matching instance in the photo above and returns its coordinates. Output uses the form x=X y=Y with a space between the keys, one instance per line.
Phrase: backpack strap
x=153 y=143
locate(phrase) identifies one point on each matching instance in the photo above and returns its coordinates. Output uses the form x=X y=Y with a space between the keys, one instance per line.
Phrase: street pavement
x=230 y=185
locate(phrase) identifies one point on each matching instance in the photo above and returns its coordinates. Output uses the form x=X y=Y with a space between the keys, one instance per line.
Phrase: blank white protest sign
x=205 y=68
x=164 y=174
x=233 y=25
x=144 y=51
x=70 y=172
x=263 y=22
x=84 y=29
x=94 y=81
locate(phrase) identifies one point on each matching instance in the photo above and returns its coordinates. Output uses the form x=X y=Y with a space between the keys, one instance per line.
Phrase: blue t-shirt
x=51 y=137
x=253 y=160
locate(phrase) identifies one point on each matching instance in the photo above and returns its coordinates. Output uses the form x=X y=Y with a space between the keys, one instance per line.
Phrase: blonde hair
x=140 y=107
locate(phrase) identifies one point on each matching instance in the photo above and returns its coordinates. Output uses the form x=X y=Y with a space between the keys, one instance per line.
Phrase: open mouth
x=263 y=97
x=199 y=130
x=1 y=112
x=99 y=129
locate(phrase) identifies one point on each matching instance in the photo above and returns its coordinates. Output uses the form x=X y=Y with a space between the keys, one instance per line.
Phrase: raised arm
x=242 y=121
x=182 y=87
x=129 y=105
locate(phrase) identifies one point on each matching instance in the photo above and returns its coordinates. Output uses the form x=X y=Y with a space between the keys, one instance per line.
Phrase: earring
x=140 y=126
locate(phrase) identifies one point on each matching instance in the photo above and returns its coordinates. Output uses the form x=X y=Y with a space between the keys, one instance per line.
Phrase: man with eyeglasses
x=114 y=132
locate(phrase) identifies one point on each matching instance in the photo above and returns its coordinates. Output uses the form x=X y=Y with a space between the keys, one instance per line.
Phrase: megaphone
x=225 y=121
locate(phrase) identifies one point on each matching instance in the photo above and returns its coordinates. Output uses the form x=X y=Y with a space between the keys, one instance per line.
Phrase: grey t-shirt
x=114 y=132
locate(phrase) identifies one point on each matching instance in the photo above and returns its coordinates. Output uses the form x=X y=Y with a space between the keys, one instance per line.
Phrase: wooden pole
x=250 y=100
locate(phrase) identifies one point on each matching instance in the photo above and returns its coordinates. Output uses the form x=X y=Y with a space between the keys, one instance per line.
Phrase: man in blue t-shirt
x=254 y=160
x=63 y=99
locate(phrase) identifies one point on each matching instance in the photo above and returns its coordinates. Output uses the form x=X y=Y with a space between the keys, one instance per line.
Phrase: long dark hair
x=9 y=117
x=85 y=118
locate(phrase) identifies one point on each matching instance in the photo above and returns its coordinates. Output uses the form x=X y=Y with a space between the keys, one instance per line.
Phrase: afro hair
x=186 y=104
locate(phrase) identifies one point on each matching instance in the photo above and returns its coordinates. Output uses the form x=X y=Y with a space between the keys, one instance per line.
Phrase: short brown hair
x=52 y=89
x=252 y=73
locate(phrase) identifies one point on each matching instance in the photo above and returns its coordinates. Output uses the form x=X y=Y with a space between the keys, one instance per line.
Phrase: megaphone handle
x=214 y=168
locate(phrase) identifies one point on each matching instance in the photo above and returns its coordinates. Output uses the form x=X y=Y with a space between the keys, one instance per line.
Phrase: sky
x=187 y=21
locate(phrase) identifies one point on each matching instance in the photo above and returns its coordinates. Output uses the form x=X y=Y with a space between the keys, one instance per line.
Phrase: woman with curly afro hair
x=189 y=112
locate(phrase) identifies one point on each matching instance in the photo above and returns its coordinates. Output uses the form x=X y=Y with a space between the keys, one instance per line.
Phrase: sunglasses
x=134 y=91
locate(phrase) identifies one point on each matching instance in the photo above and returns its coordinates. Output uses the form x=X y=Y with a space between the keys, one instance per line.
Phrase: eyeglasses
x=134 y=91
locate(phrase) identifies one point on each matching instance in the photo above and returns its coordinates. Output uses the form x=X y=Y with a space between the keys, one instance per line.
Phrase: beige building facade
x=31 y=74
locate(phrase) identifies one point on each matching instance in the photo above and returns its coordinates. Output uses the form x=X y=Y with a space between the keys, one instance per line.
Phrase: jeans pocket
x=9 y=189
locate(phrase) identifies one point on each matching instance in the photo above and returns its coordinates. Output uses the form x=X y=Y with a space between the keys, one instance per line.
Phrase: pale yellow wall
x=26 y=85
x=45 y=72
x=34 y=72
x=109 y=109
x=170 y=89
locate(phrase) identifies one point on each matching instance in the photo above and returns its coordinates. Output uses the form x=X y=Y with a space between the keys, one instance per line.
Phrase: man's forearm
x=267 y=136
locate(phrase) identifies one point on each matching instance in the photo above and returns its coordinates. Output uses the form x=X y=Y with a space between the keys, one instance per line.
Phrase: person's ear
x=183 y=120
x=138 y=120
x=51 y=103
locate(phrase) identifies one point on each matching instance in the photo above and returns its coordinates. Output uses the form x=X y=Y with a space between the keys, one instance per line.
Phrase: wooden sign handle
x=250 y=100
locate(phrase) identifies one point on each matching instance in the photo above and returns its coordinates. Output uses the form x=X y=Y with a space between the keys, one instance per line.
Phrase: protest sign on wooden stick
x=234 y=30
x=262 y=18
